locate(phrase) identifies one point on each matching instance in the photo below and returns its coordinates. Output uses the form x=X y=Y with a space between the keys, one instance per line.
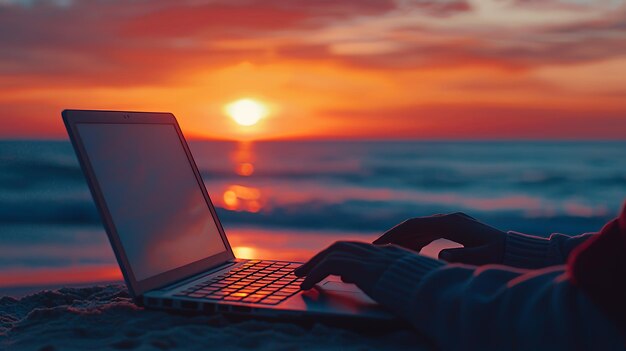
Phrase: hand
x=483 y=244
x=359 y=263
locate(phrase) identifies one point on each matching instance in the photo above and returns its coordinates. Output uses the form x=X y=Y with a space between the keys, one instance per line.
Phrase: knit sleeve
x=397 y=283
x=462 y=307
x=527 y=251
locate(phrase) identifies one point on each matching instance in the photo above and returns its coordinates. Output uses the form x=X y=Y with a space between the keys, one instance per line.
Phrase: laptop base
x=330 y=300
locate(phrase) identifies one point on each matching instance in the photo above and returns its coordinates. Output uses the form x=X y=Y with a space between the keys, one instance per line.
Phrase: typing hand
x=359 y=263
x=483 y=244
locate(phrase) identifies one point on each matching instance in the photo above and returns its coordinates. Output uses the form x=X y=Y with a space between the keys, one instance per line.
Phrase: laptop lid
x=155 y=208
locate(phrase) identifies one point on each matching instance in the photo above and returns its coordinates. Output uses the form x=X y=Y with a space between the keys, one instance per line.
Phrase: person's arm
x=528 y=251
x=494 y=307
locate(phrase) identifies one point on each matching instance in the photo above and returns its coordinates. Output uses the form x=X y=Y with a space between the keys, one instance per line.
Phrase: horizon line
x=350 y=139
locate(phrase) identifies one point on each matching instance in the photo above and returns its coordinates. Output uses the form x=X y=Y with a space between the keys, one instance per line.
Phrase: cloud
x=467 y=121
x=508 y=33
x=89 y=43
x=30 y=3
x=141 y=54
x=115 y=42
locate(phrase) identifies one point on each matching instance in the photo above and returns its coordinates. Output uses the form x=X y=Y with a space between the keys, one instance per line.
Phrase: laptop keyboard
x=264 y=282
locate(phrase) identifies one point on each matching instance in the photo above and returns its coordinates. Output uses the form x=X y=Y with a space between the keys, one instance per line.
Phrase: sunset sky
x=454 y=69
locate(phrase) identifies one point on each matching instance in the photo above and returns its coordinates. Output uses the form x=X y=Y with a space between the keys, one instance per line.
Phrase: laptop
x=166 y=235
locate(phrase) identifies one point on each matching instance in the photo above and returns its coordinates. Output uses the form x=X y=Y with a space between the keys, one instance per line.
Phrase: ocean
x=289 y=199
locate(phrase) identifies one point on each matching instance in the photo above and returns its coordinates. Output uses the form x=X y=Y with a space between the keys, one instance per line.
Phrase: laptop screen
x=150 y=189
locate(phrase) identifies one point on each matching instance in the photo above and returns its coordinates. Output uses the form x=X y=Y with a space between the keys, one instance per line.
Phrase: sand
x=105 y=318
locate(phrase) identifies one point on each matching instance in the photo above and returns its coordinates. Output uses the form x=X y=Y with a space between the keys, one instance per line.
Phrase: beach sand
x=105 y=318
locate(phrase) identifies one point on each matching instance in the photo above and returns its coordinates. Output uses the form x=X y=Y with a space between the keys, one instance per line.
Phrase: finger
x=452 y=255
x=458 y=227
x=344 y=265
x=464 y=229
x=475 y=255
x=387 y=237
x=306 y=267
x=414 y=233
x=357 y=248
x=391 y=236
x=411 y=227
x=330 y=264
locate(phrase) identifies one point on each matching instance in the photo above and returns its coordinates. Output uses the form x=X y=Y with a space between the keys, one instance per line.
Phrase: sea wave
x=352 y=215
x=349 y=185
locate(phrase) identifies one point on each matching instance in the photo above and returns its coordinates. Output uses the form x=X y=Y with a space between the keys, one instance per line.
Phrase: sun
x=246 y=112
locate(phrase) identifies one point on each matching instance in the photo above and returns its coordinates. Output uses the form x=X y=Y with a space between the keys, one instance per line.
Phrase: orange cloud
x=340 y=69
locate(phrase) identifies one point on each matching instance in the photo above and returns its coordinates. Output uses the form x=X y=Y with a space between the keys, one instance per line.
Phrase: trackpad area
x=340 y=286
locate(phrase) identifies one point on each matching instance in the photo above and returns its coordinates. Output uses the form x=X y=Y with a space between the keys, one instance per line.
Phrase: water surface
x=289 y=199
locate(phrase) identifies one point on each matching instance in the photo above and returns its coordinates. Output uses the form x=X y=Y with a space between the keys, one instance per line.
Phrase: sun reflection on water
x=242 y=198
x=245 y=169
x=243 y=158
x=239 y=197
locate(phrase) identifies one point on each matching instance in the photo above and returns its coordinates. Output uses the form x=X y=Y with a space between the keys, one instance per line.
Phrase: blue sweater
x=498 y=307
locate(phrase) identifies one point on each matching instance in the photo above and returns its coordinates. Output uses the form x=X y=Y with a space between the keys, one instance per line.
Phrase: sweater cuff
x=526 y=251
x=396 y=286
